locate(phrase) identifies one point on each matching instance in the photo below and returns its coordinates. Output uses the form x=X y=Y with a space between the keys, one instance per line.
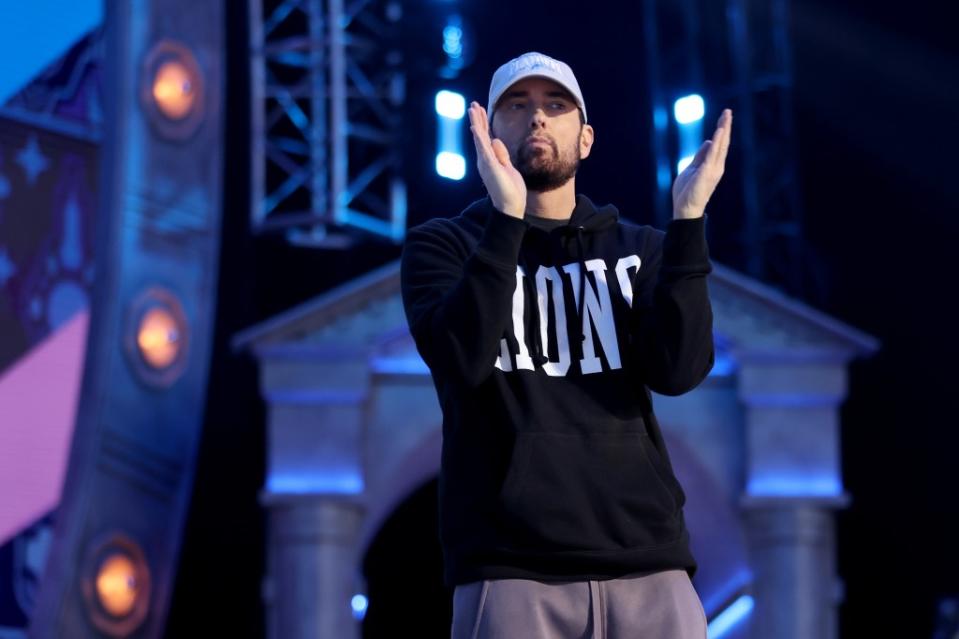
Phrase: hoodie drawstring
x=582 y=288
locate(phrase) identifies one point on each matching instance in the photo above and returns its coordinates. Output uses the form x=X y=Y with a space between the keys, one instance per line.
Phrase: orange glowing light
x=158 y=338
x=117 y=586
x=173 y=90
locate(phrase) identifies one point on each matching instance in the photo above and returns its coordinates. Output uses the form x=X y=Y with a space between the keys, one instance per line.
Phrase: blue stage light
x=683 y=163
x=689 y=109
x=450 y=104
x=450 y=165
x=728 y=618
x=359 y=603
x=453 y=40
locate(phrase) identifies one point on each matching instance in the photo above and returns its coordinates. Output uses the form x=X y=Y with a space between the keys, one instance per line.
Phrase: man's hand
x=503 y=182
x=695 y=185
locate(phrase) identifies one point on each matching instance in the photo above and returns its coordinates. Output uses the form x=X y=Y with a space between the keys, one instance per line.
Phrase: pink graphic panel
x=38 y=404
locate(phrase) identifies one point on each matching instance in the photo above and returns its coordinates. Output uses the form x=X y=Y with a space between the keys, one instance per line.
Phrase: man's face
x=540 y=125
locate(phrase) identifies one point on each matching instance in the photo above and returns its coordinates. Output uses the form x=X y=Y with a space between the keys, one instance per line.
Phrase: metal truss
x=761 y=85
x=751 y=69
x=671 y=29
x=327 y=87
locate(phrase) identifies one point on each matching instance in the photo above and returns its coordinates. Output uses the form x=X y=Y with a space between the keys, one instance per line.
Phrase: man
x=544 y=320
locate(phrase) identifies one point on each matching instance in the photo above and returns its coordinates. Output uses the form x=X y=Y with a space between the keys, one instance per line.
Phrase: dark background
x=876 y=102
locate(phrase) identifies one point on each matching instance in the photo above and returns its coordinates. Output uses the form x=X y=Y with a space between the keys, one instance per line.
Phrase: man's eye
x=515 y=106
x=558 y=105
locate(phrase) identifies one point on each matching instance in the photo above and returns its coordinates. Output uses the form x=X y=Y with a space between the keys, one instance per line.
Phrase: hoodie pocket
x=588 y=491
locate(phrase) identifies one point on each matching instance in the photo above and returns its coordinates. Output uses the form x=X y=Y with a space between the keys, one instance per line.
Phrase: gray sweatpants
x=658 y=605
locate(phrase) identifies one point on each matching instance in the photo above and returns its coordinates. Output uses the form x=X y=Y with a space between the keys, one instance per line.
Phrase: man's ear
x=585 y=141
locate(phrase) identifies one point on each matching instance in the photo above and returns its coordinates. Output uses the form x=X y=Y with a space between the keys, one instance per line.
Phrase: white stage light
x=689 y=109
x=451 y=165
x=450 y=104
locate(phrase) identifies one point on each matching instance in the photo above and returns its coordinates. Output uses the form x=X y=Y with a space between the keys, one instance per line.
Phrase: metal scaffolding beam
x=749 y=66
x=327 y=87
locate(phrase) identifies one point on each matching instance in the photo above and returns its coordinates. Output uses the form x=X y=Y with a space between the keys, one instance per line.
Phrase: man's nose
x=537 y=118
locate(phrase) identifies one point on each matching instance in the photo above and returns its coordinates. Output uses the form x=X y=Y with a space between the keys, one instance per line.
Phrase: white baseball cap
x=533 y=65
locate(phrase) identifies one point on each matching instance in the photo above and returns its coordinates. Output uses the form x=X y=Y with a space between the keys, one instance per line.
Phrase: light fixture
x=157 y=337
x=172 y=90
x=116 y=584
x=689 y=109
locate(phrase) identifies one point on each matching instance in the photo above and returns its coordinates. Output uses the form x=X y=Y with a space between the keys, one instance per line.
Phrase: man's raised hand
x=503 y=182
x=695 y=185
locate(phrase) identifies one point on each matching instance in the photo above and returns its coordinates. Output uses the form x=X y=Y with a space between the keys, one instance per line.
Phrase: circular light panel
x=117 y=585
x=157 y=337
x=173 y=90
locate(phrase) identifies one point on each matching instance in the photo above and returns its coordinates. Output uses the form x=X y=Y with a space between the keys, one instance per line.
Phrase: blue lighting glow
x=313 y=483
x=795 y=485
x=359 y=603
x=683 y=163
x=450 y=104
x=728 y=618
x=689 y=109
x=659 y=118
x=453 y=40
x=663 y=176
x=450 y=165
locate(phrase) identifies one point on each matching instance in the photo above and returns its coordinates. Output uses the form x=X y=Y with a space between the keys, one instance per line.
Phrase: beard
x=545 y=168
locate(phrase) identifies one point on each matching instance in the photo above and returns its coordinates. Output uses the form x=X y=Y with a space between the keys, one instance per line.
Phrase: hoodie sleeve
x=458 y=304
x=671 y=319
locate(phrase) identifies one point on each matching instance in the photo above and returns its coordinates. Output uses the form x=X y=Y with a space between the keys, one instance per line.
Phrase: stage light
x=173 y=90
x=116 y=585
x=683 y=163
x=450 y=111
x=450 y=104
x=453 y=40
x=158 y=338
x=359 y=603
x=730 y=617
x=451 y=165
x=689 y=109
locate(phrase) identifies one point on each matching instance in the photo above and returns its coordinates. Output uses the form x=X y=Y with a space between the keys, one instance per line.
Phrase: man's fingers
x=499 y=150
x=720 y=140
x=483 y=151
x=726 y=138
x=702 y=153
x=478 y=117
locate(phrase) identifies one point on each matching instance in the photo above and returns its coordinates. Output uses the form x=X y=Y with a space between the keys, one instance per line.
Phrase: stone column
x=793 y=560
x=312 y=557
x=315 y=488
x=793 y=488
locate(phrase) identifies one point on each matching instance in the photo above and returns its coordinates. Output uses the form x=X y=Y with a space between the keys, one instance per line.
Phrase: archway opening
x=403 y=569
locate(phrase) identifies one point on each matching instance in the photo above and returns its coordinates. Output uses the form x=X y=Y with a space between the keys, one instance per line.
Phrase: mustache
x=527 y=144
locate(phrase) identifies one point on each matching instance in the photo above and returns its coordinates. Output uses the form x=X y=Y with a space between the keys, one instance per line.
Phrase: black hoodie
x=553 y=466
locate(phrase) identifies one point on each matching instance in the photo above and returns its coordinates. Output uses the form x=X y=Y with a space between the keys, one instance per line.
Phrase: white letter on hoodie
x=599 y=311
x=523 y=360
x=559 y=368
x=622 y=274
